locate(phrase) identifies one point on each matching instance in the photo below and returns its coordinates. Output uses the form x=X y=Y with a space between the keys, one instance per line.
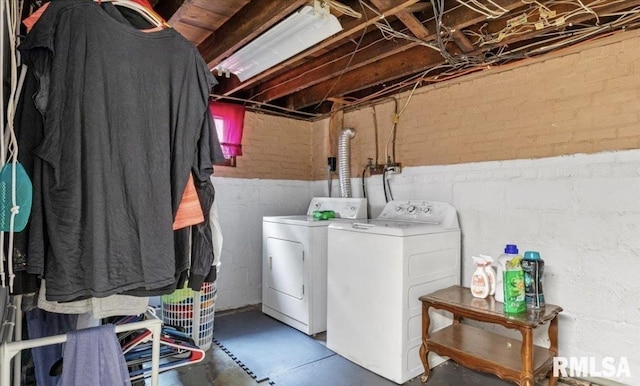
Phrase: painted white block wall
x=241 y=205
x=581 y=212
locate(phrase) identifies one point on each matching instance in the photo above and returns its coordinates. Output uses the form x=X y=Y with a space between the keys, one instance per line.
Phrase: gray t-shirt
x=125 y=121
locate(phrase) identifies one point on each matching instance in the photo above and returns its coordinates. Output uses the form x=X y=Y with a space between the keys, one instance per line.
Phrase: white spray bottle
x=480 y=286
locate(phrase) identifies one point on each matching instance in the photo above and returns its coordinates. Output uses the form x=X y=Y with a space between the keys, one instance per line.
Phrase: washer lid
x=391 y=228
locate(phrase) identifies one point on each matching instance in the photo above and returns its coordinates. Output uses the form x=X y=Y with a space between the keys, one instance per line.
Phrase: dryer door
x=285 y=267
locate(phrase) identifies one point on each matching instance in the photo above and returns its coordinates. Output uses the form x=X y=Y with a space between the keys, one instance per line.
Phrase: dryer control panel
x=349 y=208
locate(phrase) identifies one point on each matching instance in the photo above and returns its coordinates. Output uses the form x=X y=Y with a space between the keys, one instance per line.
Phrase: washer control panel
x=431 y=212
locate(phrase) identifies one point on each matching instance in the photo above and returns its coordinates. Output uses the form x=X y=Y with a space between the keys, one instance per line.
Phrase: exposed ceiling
x=391 y=47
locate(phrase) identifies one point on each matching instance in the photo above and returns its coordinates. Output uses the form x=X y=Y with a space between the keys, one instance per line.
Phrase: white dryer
x=294 y=263
x=377 y=270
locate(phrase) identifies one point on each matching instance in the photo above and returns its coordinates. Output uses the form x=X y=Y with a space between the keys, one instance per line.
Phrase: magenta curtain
x=233 y=117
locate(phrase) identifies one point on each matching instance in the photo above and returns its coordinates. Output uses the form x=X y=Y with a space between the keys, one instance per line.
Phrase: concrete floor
x=220 y=369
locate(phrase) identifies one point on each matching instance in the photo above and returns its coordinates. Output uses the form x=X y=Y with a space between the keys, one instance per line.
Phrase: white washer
x=377 y=270
x=294 y=263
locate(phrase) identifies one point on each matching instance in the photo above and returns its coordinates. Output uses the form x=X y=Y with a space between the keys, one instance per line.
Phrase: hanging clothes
x=41 y=323
x=26 y=116
x=202 y=243
x=126 y=120
x=93 y=356
x=97 y=308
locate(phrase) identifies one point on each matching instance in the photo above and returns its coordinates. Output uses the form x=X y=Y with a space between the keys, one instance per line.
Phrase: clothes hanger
x=150 y=15
x=56 y=368
x=175 y=349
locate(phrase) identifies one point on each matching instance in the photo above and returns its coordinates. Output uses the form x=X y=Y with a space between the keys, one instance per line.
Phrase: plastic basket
x=185 y=308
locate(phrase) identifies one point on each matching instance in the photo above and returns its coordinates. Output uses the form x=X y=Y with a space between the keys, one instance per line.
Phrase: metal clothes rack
x=9 y=349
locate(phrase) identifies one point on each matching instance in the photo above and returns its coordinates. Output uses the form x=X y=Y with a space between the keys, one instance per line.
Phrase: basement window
x=229 y=121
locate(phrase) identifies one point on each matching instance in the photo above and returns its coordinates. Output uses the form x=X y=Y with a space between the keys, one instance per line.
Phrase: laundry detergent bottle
x=510 y=270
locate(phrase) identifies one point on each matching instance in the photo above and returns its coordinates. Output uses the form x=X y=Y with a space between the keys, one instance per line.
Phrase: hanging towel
x=93 y=356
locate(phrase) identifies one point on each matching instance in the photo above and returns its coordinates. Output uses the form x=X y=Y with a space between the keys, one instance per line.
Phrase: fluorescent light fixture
x=304 y=28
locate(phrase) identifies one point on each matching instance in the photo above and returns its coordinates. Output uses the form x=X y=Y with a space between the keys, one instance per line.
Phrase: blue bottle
x=533 y=268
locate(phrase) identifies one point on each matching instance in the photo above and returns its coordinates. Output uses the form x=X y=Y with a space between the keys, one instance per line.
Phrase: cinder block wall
x=581 y=100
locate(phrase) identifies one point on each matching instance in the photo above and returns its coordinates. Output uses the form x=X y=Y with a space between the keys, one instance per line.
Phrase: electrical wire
x=389 y=33
x=364 y=32
x=251 y=104
x=392 y=135
x=389 y=188
x=464 y=64
x=12 y=10
x=483 y=9
x=462 y=67
x=384 y=184
x=344 y=9
x=364 y=190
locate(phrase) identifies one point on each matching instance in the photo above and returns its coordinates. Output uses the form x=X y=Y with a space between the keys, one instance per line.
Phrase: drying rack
x=9 y=349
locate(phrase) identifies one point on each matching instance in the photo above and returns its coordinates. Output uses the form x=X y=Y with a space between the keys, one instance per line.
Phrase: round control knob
x=398 y=209
x=411 y=209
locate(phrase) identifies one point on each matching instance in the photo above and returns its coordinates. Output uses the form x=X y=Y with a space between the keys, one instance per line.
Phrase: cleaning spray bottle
x=480 y=286
x=491 y=273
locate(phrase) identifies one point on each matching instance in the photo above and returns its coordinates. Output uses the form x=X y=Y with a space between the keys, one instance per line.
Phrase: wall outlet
x=393 y=168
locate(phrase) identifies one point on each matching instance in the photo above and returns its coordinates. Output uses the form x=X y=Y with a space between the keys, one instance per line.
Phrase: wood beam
x=409 y=62
x=464 y=16
x=462 y=41
x=306 y=75
x=415 y=26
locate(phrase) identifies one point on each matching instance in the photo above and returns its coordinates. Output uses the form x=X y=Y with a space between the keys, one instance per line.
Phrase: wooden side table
x=472 y=347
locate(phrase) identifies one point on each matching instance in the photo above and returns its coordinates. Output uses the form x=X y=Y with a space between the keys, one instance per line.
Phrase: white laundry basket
x=186 y=308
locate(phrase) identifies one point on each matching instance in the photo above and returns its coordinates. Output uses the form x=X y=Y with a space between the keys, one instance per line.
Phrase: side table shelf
x=518 y=361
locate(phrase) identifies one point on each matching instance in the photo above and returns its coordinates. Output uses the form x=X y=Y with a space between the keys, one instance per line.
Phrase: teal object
x=24 y=197
x=533 y=268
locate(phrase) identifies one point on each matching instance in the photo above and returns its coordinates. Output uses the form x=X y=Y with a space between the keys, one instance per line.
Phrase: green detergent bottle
x=513 y=281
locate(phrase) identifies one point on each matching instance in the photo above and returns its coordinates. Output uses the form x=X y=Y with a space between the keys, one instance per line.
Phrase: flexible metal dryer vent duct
x=344 y=173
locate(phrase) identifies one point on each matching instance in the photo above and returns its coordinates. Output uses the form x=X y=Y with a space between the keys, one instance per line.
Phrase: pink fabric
x=233 y=117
